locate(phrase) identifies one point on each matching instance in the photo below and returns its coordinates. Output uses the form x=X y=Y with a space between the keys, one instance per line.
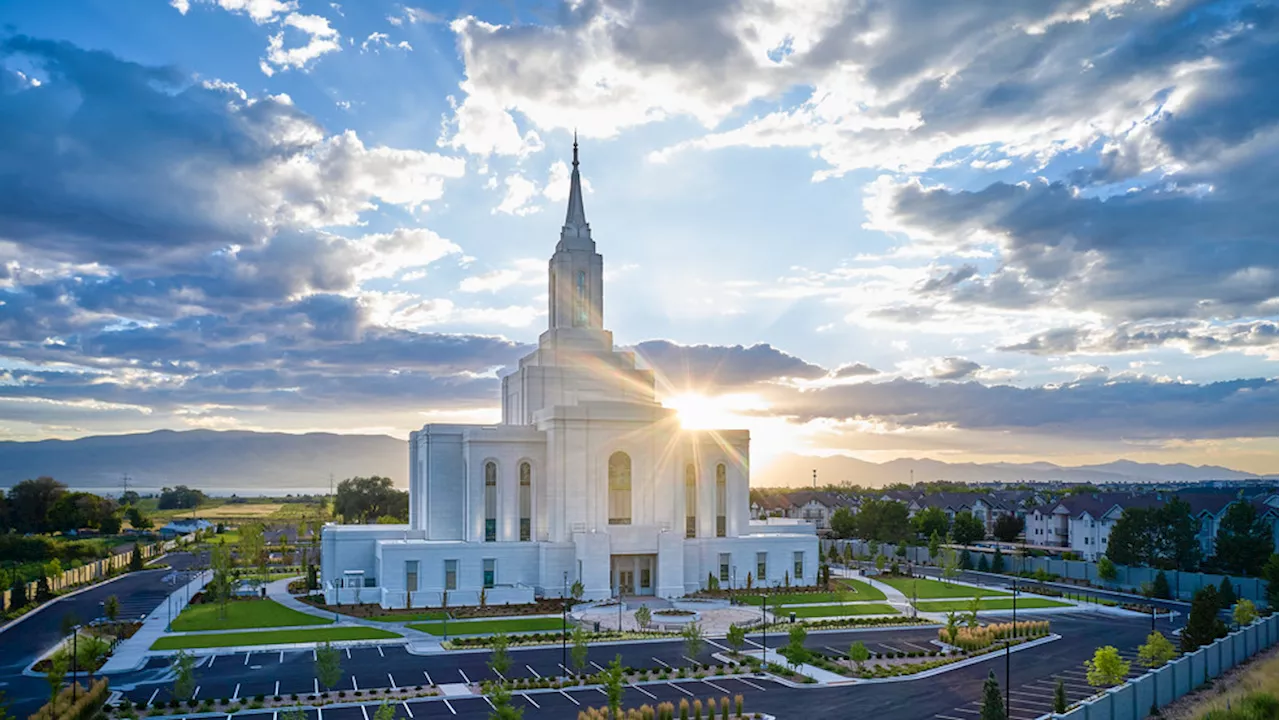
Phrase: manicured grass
x=855 y=591
x=271 y=637
x=485 y=627
x=1005 y=603
x=816 y=611
x=243 y=614
x=865 y=591
x=925 y=588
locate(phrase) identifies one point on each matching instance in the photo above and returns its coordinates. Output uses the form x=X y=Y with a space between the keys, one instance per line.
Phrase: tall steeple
x=575 y=218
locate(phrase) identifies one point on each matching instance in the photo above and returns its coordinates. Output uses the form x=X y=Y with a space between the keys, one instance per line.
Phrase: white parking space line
x=646 y=692
x=600 y=690
x=566 y=670
x=313 y=654
x=593 y=662
x=196 y=694
x=246 y=658
x=531 y=702
x=717 y=687
x=364 y=712
x=535 y=672
x=236 y=695
x=501 y=677
x=393 y=682
x=428 y=676
x=713 y=643
x=689 y=659
x=211 y=659
x=316 y=684
x=277 y=692
x=380 y=650
x=449 y=705
x=348 y=653
x=465 y=679
x=275 y=714
x=319 y=714
x=839 y=653
x=946 y=717
x=407 y=711
x=686 y=692
x=354 y=686
x=753 y=642
x=575 y=702
x=745 y=681
x=486 y=699
x=281 y=656
x=965 y=710
x=661 y=663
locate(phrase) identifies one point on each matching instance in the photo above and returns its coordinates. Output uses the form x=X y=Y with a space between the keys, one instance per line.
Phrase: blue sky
x=977 y=231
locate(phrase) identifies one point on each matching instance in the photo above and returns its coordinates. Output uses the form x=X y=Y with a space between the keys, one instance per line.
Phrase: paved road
x=949 y=696
x=139 y=594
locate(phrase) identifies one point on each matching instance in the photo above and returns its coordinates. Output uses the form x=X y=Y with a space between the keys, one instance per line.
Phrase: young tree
x=219 y=588
x=982 y=564
x=1244 y=613
x=1203 y=625
x=1226 y=594
x=18 y=593
x=997 y=560
x=1007 y=527
x=736 y=637
x=1106 y=569
x=576 y=590
x=578 y=652
x=967 y=528
x=953 y=627
x=859 y=654
x=184 y=674
x=91 y=653
x=385 y=711
x=500 y=697
x=611 y=678
x=328 y=666
x=848 y=554
x=966 y=563
x=881 y=561
x=950 y=563
x=795 y=652
x=1160 y=586
x=1156 y=651
x=992 y=701
x=1060 y=698
x=111 y=607
x=56 y=673
x=1244 y=541
x=935 y=544
x=499 y=661
x=643 y=616
x=1106 y=668
x=975 y=604
x=692 y=636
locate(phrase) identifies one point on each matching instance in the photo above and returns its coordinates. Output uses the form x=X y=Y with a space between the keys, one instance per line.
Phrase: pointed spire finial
x=575 y=147
x=576 y=217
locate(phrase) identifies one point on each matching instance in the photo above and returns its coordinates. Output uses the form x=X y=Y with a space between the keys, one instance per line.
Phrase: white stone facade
x=588 y=478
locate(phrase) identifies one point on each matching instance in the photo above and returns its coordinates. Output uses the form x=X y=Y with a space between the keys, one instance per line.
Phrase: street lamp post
x=75 y=657
x=564 y=623
x=764 y=629
x=733 y=580
x=1008 y=644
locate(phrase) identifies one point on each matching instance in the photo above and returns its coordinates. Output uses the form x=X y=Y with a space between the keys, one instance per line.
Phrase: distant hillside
x=217 y=462
x=797 y=470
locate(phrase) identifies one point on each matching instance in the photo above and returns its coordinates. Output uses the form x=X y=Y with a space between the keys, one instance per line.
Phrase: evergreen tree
x=1271 y=571
x=135 y=560
x=1226 y=594
x=982 y=563
x=992 y=701
x=966 y=563
x=1060 y=698
x=42 y=589
x=18 y=593
x=997 y=562
x=1244 y=541
x=1160 y=587
x=1176 y=545
x=1203 y=625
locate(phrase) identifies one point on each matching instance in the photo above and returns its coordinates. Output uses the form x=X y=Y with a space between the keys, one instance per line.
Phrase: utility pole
x=815 y=479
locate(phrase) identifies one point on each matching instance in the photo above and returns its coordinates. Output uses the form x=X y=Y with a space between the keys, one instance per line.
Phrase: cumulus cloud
x=854 y=370
x=698 y=367
x=953 y=368
x=1197 y=338
x=321 y=38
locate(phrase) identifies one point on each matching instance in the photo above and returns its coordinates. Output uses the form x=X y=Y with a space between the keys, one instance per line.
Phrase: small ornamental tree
x=692 y=636
x=795 y=652
x=1106 y=569
x=1106 y=668
x=56 y=673
x=578 y=653
x=881 y=561
x=111 y=607
x=386 y=711
x=1203 y=625
x=935 y=544
x=975 y=604
x=1160 y=586
x=611 y=678
x=499 y=660
x=953 y=627
x=500 y=697
x=135 y=560
x=982 y=564
x=1060 y=698
x=643 y=616
x=328 y=666
x=1156 y=651
x=992 y=702
x=736 y=637
x=859 y=654
x=1244 y=613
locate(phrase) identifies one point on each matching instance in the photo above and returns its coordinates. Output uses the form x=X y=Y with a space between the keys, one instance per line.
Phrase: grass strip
x=272 y=637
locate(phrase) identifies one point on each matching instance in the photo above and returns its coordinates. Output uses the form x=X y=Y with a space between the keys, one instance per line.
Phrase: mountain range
x=253 y=463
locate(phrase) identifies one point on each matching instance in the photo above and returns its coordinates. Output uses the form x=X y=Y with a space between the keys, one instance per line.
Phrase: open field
x=271 y=637
x=484 y=627
x=264 y=510
x=817 y=611
x=1004 y=603
x=926 y=589
x=243 y=614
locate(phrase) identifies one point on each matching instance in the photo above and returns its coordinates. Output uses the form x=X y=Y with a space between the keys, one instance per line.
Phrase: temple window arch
x=619 y=489
x=526 y=501
x=721 y=500
x=690 y=501
x=490 y=501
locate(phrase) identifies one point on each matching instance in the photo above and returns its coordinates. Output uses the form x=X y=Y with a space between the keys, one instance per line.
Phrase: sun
x=713 y=412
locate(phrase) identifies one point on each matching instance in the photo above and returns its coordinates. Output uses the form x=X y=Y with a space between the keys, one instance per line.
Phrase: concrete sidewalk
x=132 y=653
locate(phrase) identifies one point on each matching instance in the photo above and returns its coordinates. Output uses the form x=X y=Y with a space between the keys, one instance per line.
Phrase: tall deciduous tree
x=1244 y=541
x=884 y=521
x=843 y=523
x=364 y=499
x=931 y=520
x=967 y=528
x=1007 y=527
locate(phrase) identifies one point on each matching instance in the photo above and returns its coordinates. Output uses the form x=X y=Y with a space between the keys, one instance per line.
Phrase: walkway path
x=419 y=641
x=130 y=654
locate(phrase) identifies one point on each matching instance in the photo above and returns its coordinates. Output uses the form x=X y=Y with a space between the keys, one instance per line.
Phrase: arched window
x=490 y=501
x=619 y=489
x=721 y=482
x=580 y=302
x=526 y=502
x=690 y=501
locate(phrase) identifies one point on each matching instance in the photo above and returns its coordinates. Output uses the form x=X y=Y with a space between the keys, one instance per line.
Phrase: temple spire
x=576 y=217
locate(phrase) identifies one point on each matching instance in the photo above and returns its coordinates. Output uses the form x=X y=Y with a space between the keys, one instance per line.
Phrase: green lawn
x=989 y=604
x=855 y=591
x=816 y=611
x=241 y=615
x=272 y=637
x=486 y=627
x=925 y=589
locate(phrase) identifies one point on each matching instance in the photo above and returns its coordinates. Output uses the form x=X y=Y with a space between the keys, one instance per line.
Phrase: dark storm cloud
x=699 y=366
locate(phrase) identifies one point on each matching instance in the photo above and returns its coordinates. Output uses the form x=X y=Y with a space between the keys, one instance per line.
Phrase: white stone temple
x=588 y=478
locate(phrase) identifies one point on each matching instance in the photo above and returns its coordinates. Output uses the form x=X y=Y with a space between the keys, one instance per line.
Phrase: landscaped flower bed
x=673 y=612
x=630 y=676
x=482 y=641
x=855 y=622
x=713 y=708
x=545 y=606
x=888 y=665
x=977 y=638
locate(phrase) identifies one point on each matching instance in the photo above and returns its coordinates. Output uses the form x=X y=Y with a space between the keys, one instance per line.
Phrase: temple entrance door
x=634 y=574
